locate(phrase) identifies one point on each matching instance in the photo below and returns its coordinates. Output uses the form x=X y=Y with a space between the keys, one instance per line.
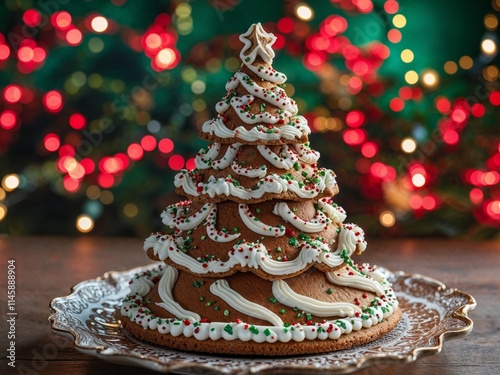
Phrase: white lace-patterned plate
x=431 y=313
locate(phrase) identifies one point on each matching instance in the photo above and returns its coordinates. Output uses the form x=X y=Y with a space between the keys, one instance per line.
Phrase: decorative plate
x=432 y=313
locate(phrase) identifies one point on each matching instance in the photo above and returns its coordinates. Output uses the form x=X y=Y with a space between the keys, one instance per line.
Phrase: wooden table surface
x=47 y=267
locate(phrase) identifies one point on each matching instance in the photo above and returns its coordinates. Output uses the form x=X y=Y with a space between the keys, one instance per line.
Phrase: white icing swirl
x=213 y=233
x=240 y=103
x=140 y=286
x=285 y=295
x=348 y=276
x=317 y=224
x=267 y=73
x=249 y=171
x=174 y=216
x=255 y=225
x=272 y=183
x=255 y=255
x=295 y=129
x=222 y=289
x=307 y=154
x=168 y=303
x=285 y=161
x=336 y=213
x=203 y=159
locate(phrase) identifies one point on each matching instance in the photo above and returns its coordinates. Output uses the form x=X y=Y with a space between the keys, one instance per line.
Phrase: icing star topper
x=257 y=43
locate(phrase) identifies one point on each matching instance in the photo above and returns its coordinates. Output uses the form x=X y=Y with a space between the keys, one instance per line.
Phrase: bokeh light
x=84 y=223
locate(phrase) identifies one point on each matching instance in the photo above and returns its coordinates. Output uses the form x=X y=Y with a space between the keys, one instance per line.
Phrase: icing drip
x=285 y=161
x=336 y=213
x=348 y=276
x=222 y=289
x=295 y=129
x=241 y=108
x=175 y=216
x=134 y=308
x=255 y=225
x=272 y=183
x=255 y=255
x=317 y=224
x=259 y=46
x=213 y=233
x=165 y=287
x=285 y=295
x=249 y=171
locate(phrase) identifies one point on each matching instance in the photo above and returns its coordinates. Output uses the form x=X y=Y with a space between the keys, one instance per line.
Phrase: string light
x=84 y=223
x=3 y=194
x=99 y=24
x=430 y=78
x=418 y=180
x=407 y=56
x=399 y=21
x=490 y=22
x=450 y=67
x=465 y=62
x=3 y=211
x=387 y=219
x=408 y=145
x=130 y=210
x=411 y=77
x=304 y=12
x=488 y=46
x=10 y=182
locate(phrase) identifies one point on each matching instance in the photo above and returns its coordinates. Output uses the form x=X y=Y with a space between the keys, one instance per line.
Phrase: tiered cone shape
x=258 y=260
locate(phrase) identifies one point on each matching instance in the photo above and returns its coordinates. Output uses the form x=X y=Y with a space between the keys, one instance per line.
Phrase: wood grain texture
x=47 y=267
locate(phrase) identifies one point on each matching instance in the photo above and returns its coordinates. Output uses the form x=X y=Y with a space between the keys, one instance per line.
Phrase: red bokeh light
x=135 y=151
x=285 y=25
x=66 y=150
x=52 y=101
x=191 y=164
x=478 y=110
x=176 y=162
x=334 y=25
x=51 y=142
x=12 y=93
x=313 y=60
x=25 y=54
x=39 y=54
x=74 y=37
x=429 y=202
x=369 y=149
x=124 y=160
x=77 y=121
x=70 y=184
x=88 y=165
x=443 y=105
x=4 y=51
x=397 y=104
x=32 y=17
x=476 y=196
x=61 y=20
x=8 y=119
x=415 y=202
x=166 y=145
x=382 y=171
x=394 y=36
x=355 y=119
x=495 y=98
x=105 y=180
x=451 y=137
x=405 y=93
x=148 y=143
x=391 y=6
x=459 y=115
x=354 y=137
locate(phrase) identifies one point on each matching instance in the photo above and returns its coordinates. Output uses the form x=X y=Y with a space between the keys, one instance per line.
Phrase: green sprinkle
x=304 y=174
x=254 y=330
x=292 y=241
x=299 y=315
x=203 y=237
x=262 y=107
x=226 y=312
x=282 y=311
x=257 y=210
x=212 y=329
x=202 y=298
x=278 y=249
x=329 y=291
x=216 y=308
x=235 y=230
x=273 y=300
x=228 y=329
x=267 y=332
x=341 y=324
x=309 y=316
x=296 y=166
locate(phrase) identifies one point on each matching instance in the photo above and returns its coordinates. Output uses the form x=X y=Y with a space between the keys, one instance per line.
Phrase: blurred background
x=101 y=102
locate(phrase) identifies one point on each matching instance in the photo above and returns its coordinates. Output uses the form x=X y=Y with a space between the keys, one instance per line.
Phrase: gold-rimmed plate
x=432 y=313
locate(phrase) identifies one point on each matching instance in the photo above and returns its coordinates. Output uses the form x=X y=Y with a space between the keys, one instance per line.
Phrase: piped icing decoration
x=203 y=159
x=295 y=128
x=242 y=107
x=351 y=276
x=285 y=295
x=221 y=289
x=135 y=308
x=306 y=153
x=254 y=255
x=254 y=224
x=257 y=42
x=285 y=160
x=336 y=213
x=141 y=285
x=318 y=223
x=215 y=234
x=251 y=172
x=168 y=303
x=174 y=215
x=272 y=183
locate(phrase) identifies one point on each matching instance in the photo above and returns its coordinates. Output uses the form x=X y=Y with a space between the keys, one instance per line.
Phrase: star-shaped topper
x=257 y=43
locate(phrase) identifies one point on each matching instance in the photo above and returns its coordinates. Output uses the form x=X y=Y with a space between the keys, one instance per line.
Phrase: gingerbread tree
x=258 y=255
